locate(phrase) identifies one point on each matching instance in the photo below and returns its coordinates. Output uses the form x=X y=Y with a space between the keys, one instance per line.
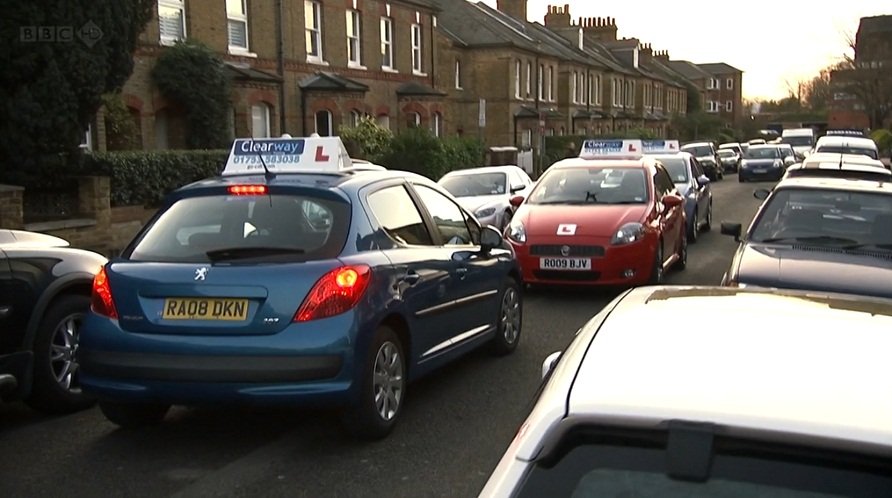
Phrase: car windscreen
x=246 y=227
x=592 y=185
x=475 y=184
x=724 y=153
x=825 y=217
x=762 y=153
x=845 y=149
x=604 y=464
x=698 y=150
x=677 y=168
x=800 y=141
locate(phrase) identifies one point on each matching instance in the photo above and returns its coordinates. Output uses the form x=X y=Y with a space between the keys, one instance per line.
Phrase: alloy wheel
x=388 y=382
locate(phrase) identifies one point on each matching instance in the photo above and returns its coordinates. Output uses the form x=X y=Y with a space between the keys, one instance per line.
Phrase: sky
x=781 y=43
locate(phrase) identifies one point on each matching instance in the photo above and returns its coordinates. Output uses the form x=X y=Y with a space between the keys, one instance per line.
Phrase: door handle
x=411 y=278
x=462 y=272
x=5 y=311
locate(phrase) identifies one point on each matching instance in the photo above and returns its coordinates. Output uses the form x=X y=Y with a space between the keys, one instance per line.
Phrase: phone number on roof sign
x=268 y=159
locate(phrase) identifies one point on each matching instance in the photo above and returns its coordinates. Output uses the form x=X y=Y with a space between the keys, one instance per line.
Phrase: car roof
x=846 y=159
x=834 y=183
x=847 y=141
x=696 y=144
x=579 y=163
x=21 y=238
x=813 y=365
x=483 y=169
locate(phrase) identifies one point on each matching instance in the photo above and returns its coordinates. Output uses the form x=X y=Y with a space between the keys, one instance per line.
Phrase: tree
x=817 y=91
x=58 y=60
x=870 y=82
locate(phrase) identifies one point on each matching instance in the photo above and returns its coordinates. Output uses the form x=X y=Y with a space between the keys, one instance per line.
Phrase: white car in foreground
x=759 y=393
x=487 y=191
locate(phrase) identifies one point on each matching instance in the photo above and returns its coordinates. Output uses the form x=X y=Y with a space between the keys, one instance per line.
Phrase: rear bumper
x=15 y=375
x=771 y=174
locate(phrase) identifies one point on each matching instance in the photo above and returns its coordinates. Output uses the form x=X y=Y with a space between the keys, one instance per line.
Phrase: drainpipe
x=303 y=113
x=280 y=54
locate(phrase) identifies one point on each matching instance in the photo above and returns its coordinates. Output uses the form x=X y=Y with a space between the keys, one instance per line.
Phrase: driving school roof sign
x=286 y=155
x=599 y=149
x=660 y=146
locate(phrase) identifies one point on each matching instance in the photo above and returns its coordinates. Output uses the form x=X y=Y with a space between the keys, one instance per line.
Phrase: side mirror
x=490 y=238
x=761 y=194
x=703 y=180
x=549 y=363
x=671 y=201
x=517 y=188
x=733 y=229
x=789 y=160
x=517 y=200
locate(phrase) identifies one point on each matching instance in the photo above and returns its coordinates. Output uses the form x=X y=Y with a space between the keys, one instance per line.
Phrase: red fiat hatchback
x=611 y=217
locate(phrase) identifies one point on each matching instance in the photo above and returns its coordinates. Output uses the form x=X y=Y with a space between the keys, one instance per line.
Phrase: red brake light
x=101 y=301
x=336 y=292
x=248 y=190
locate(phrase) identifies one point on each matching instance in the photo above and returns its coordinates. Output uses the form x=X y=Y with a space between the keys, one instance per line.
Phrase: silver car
x=488 y=191
x=767 y=393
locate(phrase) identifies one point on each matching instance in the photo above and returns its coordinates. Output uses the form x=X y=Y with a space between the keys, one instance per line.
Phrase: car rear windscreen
x=271 y=227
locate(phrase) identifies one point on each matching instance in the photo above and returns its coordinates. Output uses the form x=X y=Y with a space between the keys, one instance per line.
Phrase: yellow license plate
x=176 y=308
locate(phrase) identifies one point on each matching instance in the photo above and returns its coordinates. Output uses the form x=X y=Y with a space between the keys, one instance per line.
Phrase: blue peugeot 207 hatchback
x=294 y=278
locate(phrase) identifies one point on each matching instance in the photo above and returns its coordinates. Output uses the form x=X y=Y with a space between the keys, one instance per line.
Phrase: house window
x=87 y=143
x=550 y=84
x=323 y=123
x=526 y=139
x=417 y=66
x=729 y=83
x=260 y=121
x=729 y=106
x=529 y=80
x=517 y=79
x=237 y=23
x=414 y=119
x=313 y=25
x=354 y=118
x=437 y=124
x=162 y=128
x=354 y=38
x=580 y=87
x=541 y=81
x=573 y=87
x=597 y=90
x=714 y=84
x=383 y=121
x=386 y=43
x=172 y=21
x=614 y=89
x=458 y=74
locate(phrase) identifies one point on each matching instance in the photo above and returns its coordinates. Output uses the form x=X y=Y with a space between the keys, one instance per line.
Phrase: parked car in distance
x=730 y=160
x=853 y=166
x=848 y=145
x=44 y=295
x=735 y=146
x=487 y=191
x=313 y=284
x=802 y=140
x=814 y=233
x=637 y=407
x=706 y=155
x=761 y=162
x=694 y=186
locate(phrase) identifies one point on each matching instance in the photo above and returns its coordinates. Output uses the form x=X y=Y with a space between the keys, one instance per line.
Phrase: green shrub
x=417 y=150
x=461 y=153
x=367 y=140
x=883 y=138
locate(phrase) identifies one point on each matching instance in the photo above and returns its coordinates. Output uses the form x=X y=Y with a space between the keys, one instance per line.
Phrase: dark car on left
x=45 y=290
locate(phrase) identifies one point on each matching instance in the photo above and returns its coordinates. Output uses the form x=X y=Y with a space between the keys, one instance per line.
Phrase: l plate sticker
x=566 y=229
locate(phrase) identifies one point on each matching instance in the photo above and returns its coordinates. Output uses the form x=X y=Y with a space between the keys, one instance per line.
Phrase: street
x=454 y=429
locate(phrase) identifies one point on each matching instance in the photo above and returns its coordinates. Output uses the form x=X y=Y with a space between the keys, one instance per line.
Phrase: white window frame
x=386 y=28
x=417 y=50
x=573 y=87
x=526 y=138
x=729 y=83
x=416 y=118
x=437 y=124
x=517 y=82
x=598 y=91
x=551 y=83
x=172 y=4
x=383 y=120
x=238 y=17
x=328 y=115
x=87 y=143
x=458 y=74
x=354 y=39
x=729 y=106
x=580 y=87
x=529 y=80
x=541 y=80
x=264 y=119
x=314 y=8
x=614 y=90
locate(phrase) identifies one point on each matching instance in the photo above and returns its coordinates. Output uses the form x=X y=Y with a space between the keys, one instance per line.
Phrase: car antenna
x=266 y=172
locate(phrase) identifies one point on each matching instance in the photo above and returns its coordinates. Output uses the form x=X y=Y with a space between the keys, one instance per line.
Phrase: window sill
x=316 y=60
x=389 y=70
x=241 y=52
x=356 y=65
x=459 y=88
x=418 y=73
x=169 y=42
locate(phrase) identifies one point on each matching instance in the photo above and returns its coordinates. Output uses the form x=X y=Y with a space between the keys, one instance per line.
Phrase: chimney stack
x=514 y=8
x=557 y=17
x=600 y=28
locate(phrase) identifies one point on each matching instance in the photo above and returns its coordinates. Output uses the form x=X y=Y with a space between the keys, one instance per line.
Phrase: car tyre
x=682 y=254
x=510 y=320
x=504 y=220
x=656 y=274
x=695 y=227
x=382 y=388
x=133 y=415
x=707 y=226
x=740 y=178
x=56 y=386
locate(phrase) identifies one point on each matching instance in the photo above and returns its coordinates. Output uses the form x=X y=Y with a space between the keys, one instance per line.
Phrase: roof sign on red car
x=287 y=155
x=660 y=146
x=611 y=149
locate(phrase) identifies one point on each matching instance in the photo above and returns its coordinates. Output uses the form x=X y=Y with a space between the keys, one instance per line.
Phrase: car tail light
x=101 y=301
x=336 y=292
x=248 y=190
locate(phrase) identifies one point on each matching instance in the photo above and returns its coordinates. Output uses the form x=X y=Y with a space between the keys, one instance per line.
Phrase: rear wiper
x=887 y=247
x=814 y=238
x=250 y=252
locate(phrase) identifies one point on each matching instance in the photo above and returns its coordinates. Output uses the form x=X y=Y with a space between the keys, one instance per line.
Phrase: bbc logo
x=89 y=34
